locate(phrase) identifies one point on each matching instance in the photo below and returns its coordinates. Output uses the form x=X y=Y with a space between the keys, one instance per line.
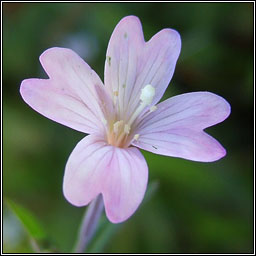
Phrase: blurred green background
x=196 y=207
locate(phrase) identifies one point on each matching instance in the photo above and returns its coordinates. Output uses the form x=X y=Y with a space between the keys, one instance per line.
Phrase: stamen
x=127 y=129
x=117 y=125
x=136 y=136
x=153 y=108
x=120 y=130
x=115 y=93
x=104 y=121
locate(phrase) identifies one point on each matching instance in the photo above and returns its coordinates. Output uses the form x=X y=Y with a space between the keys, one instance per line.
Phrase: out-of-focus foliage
x=29 y=221
x=198 y=207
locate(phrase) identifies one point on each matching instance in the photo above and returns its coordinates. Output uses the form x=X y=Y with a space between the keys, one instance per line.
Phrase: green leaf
x=29 y=221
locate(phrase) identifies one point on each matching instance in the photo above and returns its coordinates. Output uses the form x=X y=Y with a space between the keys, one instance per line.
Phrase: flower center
x=120 y=132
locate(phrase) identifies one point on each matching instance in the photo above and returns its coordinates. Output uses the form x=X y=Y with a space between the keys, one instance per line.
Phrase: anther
x=115 y=93
x=117 y=125
x=127 y=129
x=136 y=136
x=104 y=121
x=153 y=108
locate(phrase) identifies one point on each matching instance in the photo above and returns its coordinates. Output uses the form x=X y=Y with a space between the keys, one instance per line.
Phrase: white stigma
x=147 y=94
x=146 y=97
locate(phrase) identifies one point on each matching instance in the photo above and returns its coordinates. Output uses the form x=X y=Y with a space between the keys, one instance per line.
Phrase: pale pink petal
x=157 y=64
x=85 y=170
x=125 y=184
x=131 y=63
x=69 y=97
x=176 y=127
x=95 y=167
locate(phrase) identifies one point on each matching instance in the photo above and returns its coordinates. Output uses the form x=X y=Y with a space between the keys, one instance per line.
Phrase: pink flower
x=121 y=115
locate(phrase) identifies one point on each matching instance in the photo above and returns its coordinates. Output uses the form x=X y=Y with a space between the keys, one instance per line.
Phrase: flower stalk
x=89 y=224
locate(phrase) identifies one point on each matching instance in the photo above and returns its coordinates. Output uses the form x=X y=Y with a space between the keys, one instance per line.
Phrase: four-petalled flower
x=121 y=115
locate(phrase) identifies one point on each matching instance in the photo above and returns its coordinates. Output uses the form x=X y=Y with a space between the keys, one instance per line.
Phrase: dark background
x=196 y=207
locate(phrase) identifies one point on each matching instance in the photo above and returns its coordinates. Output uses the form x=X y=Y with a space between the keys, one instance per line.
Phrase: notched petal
x=120 y=175
x=176 y=127
x=69 y=96
x=132 y=63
